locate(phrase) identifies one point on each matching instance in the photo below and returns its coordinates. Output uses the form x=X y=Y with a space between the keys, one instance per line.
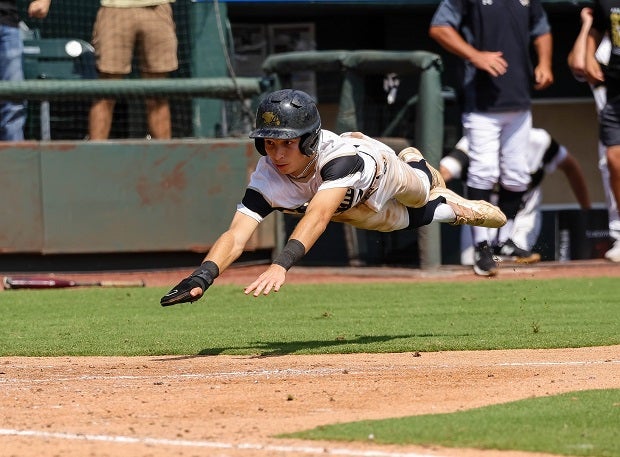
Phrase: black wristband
x=292 y=253
x=206 y=274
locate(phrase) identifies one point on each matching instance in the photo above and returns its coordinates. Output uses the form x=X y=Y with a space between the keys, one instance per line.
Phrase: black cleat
x=510 y=251
x=484 y=263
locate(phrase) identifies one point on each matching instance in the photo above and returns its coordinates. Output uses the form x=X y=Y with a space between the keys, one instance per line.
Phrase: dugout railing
x=124 y=195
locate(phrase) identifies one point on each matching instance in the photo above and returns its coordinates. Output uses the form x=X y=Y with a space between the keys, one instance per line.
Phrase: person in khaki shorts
x=125 y=26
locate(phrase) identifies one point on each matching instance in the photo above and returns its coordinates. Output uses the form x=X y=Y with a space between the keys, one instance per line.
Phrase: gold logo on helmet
x=270 y=118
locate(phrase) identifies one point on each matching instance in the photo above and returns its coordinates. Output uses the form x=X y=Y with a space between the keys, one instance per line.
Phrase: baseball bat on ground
x=55 y=283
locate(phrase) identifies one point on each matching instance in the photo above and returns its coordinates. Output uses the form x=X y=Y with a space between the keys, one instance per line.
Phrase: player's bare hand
x=543 y=77
x=270 y=279
x=38 y=8
x=491 y=62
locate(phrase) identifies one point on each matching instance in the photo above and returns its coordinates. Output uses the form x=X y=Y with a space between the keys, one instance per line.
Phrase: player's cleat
x=484 y=263
x=181 y=292
x=412 y=154
x=510 y=251
x=613 y=254
x=471 y=212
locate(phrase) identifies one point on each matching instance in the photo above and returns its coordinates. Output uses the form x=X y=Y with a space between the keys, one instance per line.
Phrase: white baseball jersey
x=543 y=157
x=539 y=154
x=379 y=185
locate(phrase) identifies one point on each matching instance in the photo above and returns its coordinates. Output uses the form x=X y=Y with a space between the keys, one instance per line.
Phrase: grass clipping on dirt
x=578 y=423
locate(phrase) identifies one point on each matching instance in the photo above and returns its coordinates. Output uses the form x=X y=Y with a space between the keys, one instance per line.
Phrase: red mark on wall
x=169 y=187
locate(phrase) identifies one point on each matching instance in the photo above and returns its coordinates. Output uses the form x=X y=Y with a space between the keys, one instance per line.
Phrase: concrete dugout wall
x=123 y=196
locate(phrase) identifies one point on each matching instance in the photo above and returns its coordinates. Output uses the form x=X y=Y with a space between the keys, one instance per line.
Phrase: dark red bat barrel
x=37 y=283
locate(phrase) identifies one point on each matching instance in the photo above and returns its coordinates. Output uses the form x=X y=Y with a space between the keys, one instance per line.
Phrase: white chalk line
x=209 y=444
x=295 y=372
x=215 y=375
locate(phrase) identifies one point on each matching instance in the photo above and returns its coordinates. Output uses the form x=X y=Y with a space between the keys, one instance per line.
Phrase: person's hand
x=188 y=290
x=543 y=77
x=271 y=279
x=39 y=8
x=587 y=16
x=491 y=62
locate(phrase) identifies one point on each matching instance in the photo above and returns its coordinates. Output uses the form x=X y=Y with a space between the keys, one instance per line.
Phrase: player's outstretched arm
x=228 y=247
x=309 y=228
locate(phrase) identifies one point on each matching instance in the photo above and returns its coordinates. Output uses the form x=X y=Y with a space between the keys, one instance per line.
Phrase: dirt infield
x=235 y=405
x=243 y=275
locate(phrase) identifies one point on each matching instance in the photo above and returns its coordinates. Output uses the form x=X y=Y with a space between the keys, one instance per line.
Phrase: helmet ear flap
x=259 y=144
x=309 y=142
x=304 y=145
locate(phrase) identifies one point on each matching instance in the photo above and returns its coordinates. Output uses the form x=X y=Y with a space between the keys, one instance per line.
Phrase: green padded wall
x=122 y=196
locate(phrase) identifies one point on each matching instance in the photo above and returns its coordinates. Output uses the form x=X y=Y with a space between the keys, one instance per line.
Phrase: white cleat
x=613 y=254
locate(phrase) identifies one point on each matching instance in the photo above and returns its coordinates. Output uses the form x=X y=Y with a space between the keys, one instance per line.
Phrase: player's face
x=286 y=155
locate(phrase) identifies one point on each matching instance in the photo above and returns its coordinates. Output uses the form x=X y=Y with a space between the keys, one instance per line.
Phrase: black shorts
x=609 y=120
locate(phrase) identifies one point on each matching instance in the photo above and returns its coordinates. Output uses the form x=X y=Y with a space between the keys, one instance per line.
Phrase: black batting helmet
x=288 y=114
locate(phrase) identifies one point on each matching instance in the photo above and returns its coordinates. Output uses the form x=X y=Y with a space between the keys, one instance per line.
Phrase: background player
x=493 y=40
x=544 y=156
x=577 y=63
x=605 y=23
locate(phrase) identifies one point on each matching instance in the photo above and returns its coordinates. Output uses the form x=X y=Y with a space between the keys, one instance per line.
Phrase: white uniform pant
x=497 y=143
x=401 y=186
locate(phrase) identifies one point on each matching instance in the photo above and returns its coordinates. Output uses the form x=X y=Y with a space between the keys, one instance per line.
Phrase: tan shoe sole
x=478 y=213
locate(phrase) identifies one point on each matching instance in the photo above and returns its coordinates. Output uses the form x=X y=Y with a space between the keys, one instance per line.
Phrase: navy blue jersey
x=508 y=26
x=607 y=19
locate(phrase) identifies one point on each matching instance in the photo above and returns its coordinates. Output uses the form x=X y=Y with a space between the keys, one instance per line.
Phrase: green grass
x=304 y=319
x=338 y=318
x=578 y=423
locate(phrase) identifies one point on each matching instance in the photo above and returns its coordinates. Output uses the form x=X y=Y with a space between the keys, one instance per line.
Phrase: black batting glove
x=203 y=277
x=181 y=292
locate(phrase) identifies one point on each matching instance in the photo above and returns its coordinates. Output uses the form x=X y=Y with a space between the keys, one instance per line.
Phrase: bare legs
x=157 y=113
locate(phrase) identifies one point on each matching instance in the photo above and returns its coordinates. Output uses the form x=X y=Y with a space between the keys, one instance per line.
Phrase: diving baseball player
x=325 y=177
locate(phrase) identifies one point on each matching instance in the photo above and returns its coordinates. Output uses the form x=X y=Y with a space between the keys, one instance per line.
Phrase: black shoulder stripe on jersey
x=536 y=178
x=551 y=152
x=539 y=175
x=460 y=156
x=254 y=200
x=341 y=167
